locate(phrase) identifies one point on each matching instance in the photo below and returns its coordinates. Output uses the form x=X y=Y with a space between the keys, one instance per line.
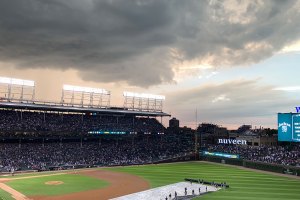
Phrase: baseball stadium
x=84 y=148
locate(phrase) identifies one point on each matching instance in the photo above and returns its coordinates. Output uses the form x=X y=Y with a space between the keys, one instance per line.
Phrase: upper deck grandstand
x=81 y=110
x=53 y=123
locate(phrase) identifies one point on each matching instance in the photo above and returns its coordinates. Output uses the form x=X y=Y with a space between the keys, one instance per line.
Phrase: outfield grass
x=244 y=184
x=72 y=183
x=5 y=196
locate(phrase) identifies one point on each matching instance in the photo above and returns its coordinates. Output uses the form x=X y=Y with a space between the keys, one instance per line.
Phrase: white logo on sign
x=284 y=126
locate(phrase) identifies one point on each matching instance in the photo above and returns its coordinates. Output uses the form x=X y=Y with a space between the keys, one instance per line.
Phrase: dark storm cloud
x=130 y=40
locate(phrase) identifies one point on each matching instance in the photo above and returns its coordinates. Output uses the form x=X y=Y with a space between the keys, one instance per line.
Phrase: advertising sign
x=289 y=127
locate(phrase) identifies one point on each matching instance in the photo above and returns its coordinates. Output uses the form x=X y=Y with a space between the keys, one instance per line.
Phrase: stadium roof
x=47 y=106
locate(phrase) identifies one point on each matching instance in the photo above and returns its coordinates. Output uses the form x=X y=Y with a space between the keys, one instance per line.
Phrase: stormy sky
x=224 y=58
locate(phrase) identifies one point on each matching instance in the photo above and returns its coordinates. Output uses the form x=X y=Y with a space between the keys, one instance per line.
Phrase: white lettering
x=284 y=124
x=230 y=141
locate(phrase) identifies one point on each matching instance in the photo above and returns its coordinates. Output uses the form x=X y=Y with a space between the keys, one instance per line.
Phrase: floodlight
x=85 y=89
x=15 y=81
x=85 y=96
x=144 y=95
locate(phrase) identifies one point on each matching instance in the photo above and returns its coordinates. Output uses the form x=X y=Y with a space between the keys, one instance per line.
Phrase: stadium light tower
x=85 y=96
x=143 y=102
x=12 y=89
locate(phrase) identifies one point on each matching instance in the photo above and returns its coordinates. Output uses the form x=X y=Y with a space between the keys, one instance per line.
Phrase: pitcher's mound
x=54 y=182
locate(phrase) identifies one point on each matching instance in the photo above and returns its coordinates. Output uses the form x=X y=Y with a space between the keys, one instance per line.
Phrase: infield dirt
x=120 y=184
x=54 y=183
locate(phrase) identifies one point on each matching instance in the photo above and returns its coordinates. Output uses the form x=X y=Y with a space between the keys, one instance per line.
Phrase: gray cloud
x=129 y=41
x=237 y=101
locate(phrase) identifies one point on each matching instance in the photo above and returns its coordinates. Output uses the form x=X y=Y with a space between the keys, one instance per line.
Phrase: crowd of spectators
x=287 y=155
x=139 y=148
x=122 y=150
x=54 y=123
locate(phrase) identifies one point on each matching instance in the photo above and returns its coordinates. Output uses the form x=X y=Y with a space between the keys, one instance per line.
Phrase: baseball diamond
x=113 y=182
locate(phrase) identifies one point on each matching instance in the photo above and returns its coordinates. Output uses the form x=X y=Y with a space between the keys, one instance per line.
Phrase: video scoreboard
x=289 y=127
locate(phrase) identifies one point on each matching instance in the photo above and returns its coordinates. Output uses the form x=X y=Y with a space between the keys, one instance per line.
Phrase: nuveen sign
x=230 y=141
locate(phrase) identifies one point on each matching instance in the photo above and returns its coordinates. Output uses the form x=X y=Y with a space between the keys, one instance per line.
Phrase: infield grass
x=71 y=183
x=244 y=184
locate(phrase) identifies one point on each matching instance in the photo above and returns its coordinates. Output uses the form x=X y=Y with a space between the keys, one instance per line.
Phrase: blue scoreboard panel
x=289 y=127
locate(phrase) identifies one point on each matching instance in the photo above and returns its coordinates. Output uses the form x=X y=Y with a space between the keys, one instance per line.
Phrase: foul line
x=14 y=193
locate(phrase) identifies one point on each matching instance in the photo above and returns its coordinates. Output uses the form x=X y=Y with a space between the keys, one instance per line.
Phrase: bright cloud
x=290 y=88
x=220 y=98
x=294 y=47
